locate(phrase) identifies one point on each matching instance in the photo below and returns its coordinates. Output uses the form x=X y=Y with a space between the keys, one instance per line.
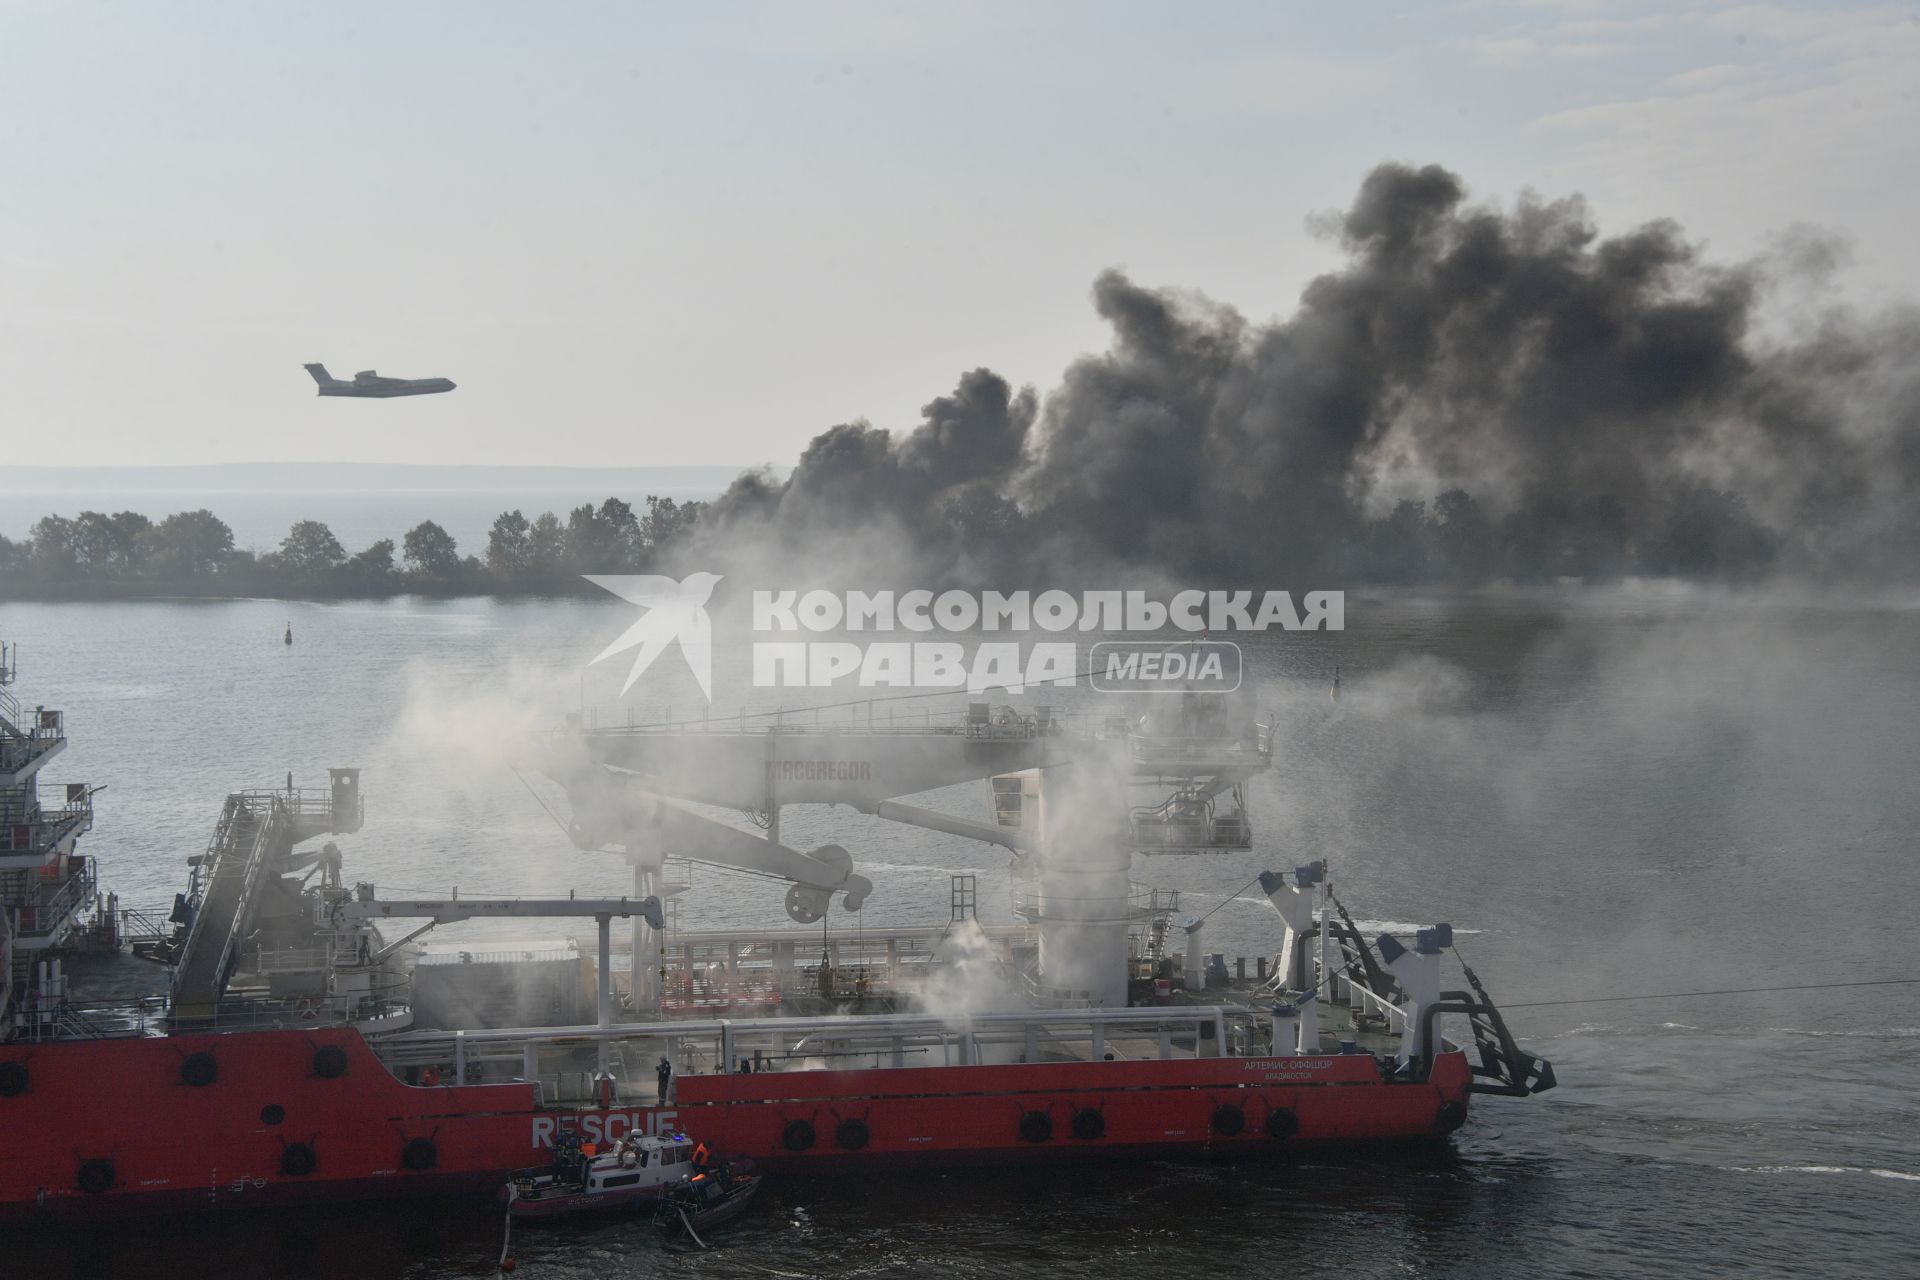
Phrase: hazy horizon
x=309 y=476
x=681 y=233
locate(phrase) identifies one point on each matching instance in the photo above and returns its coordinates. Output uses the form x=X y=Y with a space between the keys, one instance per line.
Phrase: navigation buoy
x=289 y=639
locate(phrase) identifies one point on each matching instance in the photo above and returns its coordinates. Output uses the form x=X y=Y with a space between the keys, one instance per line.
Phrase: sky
x=646 y=235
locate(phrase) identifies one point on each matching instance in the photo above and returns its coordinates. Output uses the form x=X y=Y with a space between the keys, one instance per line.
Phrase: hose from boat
x=506 y=1239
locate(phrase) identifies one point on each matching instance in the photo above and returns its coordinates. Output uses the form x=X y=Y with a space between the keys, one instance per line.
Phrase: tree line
x=96 y=554
x=1706 y=534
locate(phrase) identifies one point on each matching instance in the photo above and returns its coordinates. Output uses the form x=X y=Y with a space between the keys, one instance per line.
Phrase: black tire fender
x=199 y=1070
x=96 y=1175
x=297 y=1160
x=329 y=1062
x=799 y=1135
x=1036 y=1126
x=1282 y=1124
x=420 y=1155
x=1229 y=1121
x=1089 y=1125
x=851 y=1134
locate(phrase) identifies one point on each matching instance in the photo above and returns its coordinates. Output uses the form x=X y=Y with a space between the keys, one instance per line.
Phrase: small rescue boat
x=703 y=1200
x=582 y=1178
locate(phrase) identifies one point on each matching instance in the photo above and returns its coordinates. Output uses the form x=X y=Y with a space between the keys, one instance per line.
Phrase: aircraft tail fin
x=321 y=376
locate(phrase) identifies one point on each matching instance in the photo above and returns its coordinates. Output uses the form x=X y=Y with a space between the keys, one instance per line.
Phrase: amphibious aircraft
x=367 y=383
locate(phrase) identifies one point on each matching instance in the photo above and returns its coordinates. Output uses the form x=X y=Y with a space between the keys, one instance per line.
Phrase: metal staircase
x=256 y=832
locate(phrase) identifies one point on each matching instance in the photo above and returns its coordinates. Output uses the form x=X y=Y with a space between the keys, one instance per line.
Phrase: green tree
x=585 y=544
x=374 y=566
x=311 y=549
x=109 y=543
x=667 y=520
x=620 y=539
x=431 y=552
x=510 y=545
x=546 y=546
x=52 y=544
x=192 y=544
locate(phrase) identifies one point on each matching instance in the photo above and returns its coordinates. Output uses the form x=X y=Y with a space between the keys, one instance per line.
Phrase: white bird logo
x=674 y=611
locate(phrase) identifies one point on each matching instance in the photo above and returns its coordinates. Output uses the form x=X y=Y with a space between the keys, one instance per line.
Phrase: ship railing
x=261 y=1015
x=1144 y=903
x=147 y=932
x=293 y=959
x=40 y=725
x=506 y=953
x=1254 y=747
x=291 y=1012
x=52 y=906
x=778 y=1044
x=1395 y=1016
x=87 y=1020
x=874 y=716
x=46 y=829
x=302 y=802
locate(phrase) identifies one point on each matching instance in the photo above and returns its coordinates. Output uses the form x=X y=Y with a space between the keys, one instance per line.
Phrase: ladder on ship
x=251 y=826
x=256 y=832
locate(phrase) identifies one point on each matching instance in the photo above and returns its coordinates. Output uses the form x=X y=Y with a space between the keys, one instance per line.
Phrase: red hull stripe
x=123 y=1109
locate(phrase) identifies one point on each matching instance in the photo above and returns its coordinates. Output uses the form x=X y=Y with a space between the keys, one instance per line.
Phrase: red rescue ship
x=278 y=1035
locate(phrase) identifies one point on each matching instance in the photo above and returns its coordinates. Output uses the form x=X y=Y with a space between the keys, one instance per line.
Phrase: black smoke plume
x=1479 y=393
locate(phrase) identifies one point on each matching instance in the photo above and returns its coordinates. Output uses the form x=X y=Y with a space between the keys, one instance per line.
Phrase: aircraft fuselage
x=381 y=388
x=369 y=385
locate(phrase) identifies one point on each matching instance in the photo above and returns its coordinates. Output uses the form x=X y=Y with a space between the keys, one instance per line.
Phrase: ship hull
x=123 y=1126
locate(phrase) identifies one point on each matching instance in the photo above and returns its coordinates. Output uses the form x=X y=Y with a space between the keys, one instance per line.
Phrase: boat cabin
x=635 y=1160
x=582 y=1176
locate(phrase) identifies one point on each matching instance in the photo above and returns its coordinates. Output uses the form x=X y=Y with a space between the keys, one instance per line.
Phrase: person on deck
x=665 y=1074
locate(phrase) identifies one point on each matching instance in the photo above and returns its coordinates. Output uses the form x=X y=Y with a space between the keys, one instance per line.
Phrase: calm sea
x=1610 y=794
